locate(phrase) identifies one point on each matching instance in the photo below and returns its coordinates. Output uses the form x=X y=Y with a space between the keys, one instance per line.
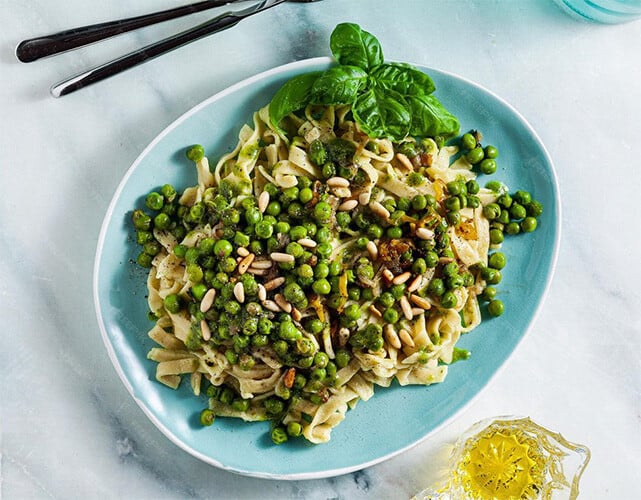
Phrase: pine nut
x=420 y=301
x=257 y=272
x=406 y=338
x=242 y=251
x=262 y=293
x=348 y=205
x=343 y=336
x=374 y=310
x=336 y=182
x=307 y=242
x=262 y=264
x=424 y=233
x=379 y=209
x=282 y=257
x=401 y=278
x=204 y=328
x=239 y=292
x=271 y=306
x=388 y=275
x=417 y=311
x=244 y=264
x=405 y=161
x=372 y=249
x=275 y=283
x=263 y=201
x=415 y=284
x=364 y=197
x=296 y=314
x=391 y=337
x=406 y=307
x=282 y=303
x=208 y=300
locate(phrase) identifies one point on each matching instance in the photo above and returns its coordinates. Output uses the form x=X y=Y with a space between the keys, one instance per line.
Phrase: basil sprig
x=389 y=100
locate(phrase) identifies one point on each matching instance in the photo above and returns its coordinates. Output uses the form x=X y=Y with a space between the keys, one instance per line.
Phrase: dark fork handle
x=132 y=59
x=49 y=45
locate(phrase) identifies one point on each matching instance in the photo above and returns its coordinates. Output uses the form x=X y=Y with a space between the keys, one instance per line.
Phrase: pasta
x=347 y=274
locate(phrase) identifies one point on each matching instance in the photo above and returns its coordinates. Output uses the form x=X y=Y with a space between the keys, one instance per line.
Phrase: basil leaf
x=403 y=78
x=430 y=118
x=353 y=46
x=292 y=96
x=338 y=85
x=382 y=113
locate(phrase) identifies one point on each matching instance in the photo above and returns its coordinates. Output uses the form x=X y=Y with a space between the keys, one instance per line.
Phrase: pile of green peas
x=343 y=284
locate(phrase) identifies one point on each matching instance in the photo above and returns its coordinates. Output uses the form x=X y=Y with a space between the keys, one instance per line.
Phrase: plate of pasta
x=293 y=284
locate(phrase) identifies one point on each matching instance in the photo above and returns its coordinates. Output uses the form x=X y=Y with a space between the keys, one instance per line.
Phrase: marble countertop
x=68 y=427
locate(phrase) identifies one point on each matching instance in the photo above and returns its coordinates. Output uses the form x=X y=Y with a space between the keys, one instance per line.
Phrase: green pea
x=297 y=233
x=321 y=270
x=468 y=141
x=278 y=435
x=419 y=202
x=419 y=266
x=374 y=231
x=491 y=211
x=223 y=248
x=453 y=203
x=504 y=216
x=496 y=236
x=354 y=293
x=528 y=224
x=273 y=208
x=436 y=287
x=342 y=359
x=173 y=303
x=352 y=311
x=488 y=166
x=454 y=218
x=343 y=219
x=324 y=250
x=154 y=201
x=335 y=268
x=322 y=287
x=448 y=300
x=294 y=429
x=162 y=221
x=472 y=186
x=305 y=195
x=253 y=215
x=195 y=273
x=207 y=417
x=282 y=227
x=431 y=259
x=314 y=326
x=323 y=235
x=305 y=271
x=394 y=232
x=386 y=299
x=295 y=249
x=151 y=248
x=390 y=315
x=322 y=212
x=264 y=229
x=534 y=208
x=523 y=197
x=495 y=308
x=456 y=188
x=517 y=211
x=491 y=152
x=497 y=260
x=505 y=200
x=489 y=293
x=199 y=290
x=475 y=155
x=196 y=153
x=495 y=186
x=472 y=201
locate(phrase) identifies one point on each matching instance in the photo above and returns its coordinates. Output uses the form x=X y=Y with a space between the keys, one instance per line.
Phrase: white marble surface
x=68 y=427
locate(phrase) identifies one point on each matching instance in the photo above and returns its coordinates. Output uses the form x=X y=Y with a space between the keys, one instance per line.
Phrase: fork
x=36 y=48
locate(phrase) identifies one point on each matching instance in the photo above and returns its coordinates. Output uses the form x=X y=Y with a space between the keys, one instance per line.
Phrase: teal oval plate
x=395 y=418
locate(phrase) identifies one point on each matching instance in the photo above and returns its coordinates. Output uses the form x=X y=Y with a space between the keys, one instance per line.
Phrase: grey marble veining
x=68 y=427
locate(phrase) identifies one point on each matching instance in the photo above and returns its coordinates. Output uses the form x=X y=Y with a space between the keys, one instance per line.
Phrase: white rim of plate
x=301 y=65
